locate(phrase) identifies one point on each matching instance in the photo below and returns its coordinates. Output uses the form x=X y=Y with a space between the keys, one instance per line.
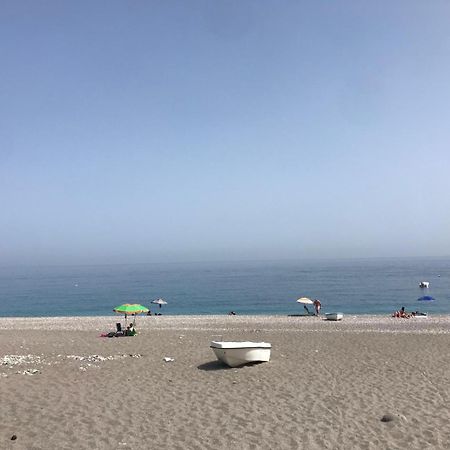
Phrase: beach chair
x=119 y=331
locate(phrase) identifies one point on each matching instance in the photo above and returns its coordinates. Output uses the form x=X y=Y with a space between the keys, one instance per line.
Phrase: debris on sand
x=393 y=417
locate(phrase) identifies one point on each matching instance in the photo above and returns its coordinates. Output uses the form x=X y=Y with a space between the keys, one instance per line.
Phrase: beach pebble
x=29 y=372
x=388 y=418
x=168 y=359
x=393 y=417
x=13 y=437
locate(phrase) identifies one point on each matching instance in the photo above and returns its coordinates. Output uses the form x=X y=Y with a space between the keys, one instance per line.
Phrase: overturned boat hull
x=334 y=316
x=236 y=354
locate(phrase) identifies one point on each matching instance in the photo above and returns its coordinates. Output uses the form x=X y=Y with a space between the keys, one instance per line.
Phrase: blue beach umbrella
x=425 y=298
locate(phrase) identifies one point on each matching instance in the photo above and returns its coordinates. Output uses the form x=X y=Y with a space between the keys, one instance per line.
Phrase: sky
x=154 y=131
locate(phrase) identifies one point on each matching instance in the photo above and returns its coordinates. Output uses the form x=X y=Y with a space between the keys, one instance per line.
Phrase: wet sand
x=327 y=386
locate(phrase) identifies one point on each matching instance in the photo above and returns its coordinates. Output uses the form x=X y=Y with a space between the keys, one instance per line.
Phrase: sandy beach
x=327 y=386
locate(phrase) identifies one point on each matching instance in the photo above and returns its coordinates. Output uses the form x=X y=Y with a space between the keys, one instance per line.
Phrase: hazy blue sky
x=134 y=131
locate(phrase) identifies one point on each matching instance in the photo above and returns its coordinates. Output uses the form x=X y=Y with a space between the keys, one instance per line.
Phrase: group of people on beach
x=401 y=313
x=130 y=331
x=406 y=315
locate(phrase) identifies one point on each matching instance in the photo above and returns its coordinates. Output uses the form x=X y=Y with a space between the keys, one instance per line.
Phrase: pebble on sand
x=13 y=437
x=393 y=417
x=388 y=418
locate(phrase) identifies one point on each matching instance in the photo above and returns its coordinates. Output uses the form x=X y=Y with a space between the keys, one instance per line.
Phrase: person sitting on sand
x=404 y=314
x=401 y=314
x=131 y=331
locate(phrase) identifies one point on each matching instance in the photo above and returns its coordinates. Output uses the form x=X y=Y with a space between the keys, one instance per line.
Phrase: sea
x=351 y=286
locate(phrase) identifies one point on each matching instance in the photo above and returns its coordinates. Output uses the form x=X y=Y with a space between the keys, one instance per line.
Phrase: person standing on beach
x=317 y=306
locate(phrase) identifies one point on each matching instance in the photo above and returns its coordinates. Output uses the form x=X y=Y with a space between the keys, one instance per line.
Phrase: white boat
x=424 y=284
x=334 y=316
x=239 y=353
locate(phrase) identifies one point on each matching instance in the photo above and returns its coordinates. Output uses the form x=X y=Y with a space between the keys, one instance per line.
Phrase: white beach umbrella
x=159 y=302
x=305 y=301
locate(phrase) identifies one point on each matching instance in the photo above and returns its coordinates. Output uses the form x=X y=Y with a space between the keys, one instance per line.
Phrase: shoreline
x=359 y=323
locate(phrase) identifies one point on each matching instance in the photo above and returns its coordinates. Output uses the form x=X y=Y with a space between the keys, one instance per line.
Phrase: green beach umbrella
x=130 y=309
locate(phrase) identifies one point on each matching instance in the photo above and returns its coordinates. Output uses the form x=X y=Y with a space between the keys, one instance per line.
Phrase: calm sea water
x=372 y=286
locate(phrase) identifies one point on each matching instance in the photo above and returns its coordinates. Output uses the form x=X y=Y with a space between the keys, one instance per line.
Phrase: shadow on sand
x=213 y=365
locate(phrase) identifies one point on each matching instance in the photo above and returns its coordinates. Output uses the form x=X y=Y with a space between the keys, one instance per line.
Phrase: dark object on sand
x=13 y=437
x=119 y=331
x=394 y=418
x=388 y=418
